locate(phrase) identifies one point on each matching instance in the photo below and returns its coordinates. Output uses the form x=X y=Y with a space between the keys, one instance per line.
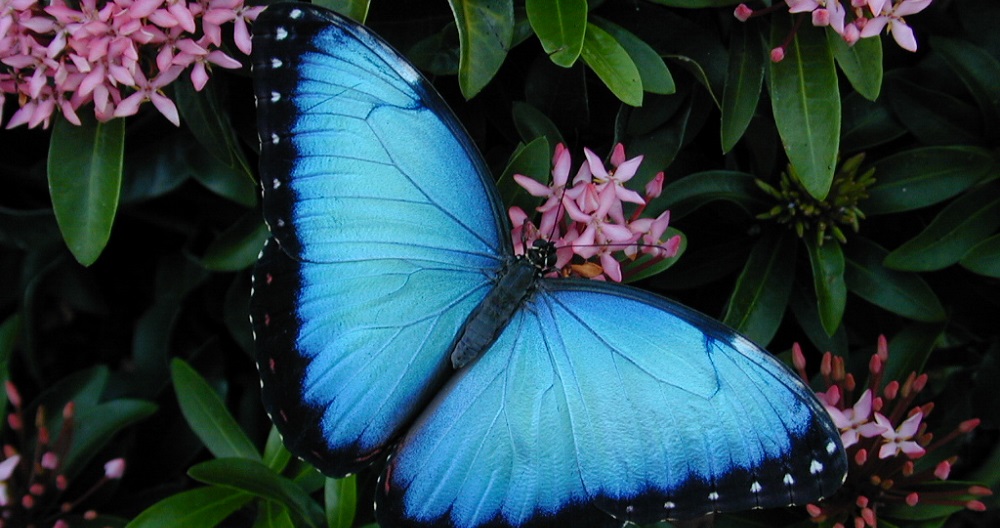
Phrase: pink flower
x=114 y=468
x=150 y=91
x=900 y=440
x=854 y=422
x=892 y=19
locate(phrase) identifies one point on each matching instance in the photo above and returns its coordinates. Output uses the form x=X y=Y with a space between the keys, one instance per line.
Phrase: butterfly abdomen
x=481 y=329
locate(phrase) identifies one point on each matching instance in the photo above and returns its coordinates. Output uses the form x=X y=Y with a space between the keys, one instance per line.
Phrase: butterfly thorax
x=515 y=283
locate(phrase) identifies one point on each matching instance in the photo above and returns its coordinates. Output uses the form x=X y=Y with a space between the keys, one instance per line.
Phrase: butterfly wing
x=386 y=234
x=602 y=402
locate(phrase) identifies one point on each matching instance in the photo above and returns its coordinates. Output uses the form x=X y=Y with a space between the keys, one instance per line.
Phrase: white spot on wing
x=831 y=447
x=815 y=467
x=789 y=480
x=276 y=63
x=275 y=97
x=295 y=13
x=714 y=496
x=669 y=505
x=274 y=138
x=756 y=487
x=280 y=33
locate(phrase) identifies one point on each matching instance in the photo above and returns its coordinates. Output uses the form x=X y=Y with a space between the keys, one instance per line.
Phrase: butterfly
x=392 y=319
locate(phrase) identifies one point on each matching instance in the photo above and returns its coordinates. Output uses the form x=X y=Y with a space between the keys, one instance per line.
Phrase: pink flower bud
x=942 y=470
x=743 y=13
x=777 y=54
x=50 y=460
x=968 y=425
x=115 y=468
x=975 y=505
x=891 y=389
x=813 y=510
x=13 y=395
x=980 y=491
x=912 y=499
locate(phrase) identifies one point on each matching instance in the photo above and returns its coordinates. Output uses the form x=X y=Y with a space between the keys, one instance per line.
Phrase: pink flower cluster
x=868 y=19
x=586 y=221
x=116 y=54
x=884 y=433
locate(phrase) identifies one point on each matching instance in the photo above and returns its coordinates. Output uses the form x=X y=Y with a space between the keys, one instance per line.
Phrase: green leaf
x=933 y=116
x=961 y=225
x=827 y=262
x=803 y=303
x=805 y=99
x=613 y=65
x=254 y=477
x=204 y=115
x=533 y=160
x=899 y=292
x=532 y=124
x=272 y=515
x=341 y=499
x=925 y=176
x=860 y=62
x=653 y=71
x=276 y=456
x=355 y=9
x=560 y=26
x=85 y=179
x=758 y=301
x=979 y=71
x=220 y=178
x=96 y=427
x=237 y=247
x=910 y=349
x=207 y=414
x=645 y=266
x=867 y=124
x=202 y=508
x=743 y=82
x=8 y=336
x=984 y=258
x=485 y=30
x=689 y=193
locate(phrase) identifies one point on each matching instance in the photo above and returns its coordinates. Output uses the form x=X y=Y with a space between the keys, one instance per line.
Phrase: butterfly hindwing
x=386 y=234
x=601 y=398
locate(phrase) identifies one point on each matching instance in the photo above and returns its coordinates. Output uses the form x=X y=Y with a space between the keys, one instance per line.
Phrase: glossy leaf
x=961 y=225
x=613 y=65
x=485 y=30
x=689 y=193
x=743 y=83
x=532 y=124
x=644 y=266
x=925 y=176
x=85 y=179
x=910 y=349
x=97 y=426
x=979 y=71
x=254 y=477
x=276 y=456
x=8 y=336
x=204 y=115
x=758 y=301
x=860 y=62
x=803 y=303
x=984 y=257
x=805 y=100
x=560 y=26
x=341 y=499
x=867 y=124
x=533 y=160
x=653 y=71
x=222 y=179
x=272 y=515
x=900 y=292
x=827 y=262
x=237 y=247
x=355 y=9
x=933 y=116
x=207 y=415
x=202 y=507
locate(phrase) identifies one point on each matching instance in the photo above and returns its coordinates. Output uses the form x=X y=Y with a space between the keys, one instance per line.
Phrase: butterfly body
x=391 y=316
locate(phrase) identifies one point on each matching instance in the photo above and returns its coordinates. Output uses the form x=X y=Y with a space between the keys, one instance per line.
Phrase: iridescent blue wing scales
x=386 y=234
x=601 y=404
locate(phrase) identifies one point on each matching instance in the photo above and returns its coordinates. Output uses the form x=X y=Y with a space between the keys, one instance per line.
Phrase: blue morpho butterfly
x=391 y=317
